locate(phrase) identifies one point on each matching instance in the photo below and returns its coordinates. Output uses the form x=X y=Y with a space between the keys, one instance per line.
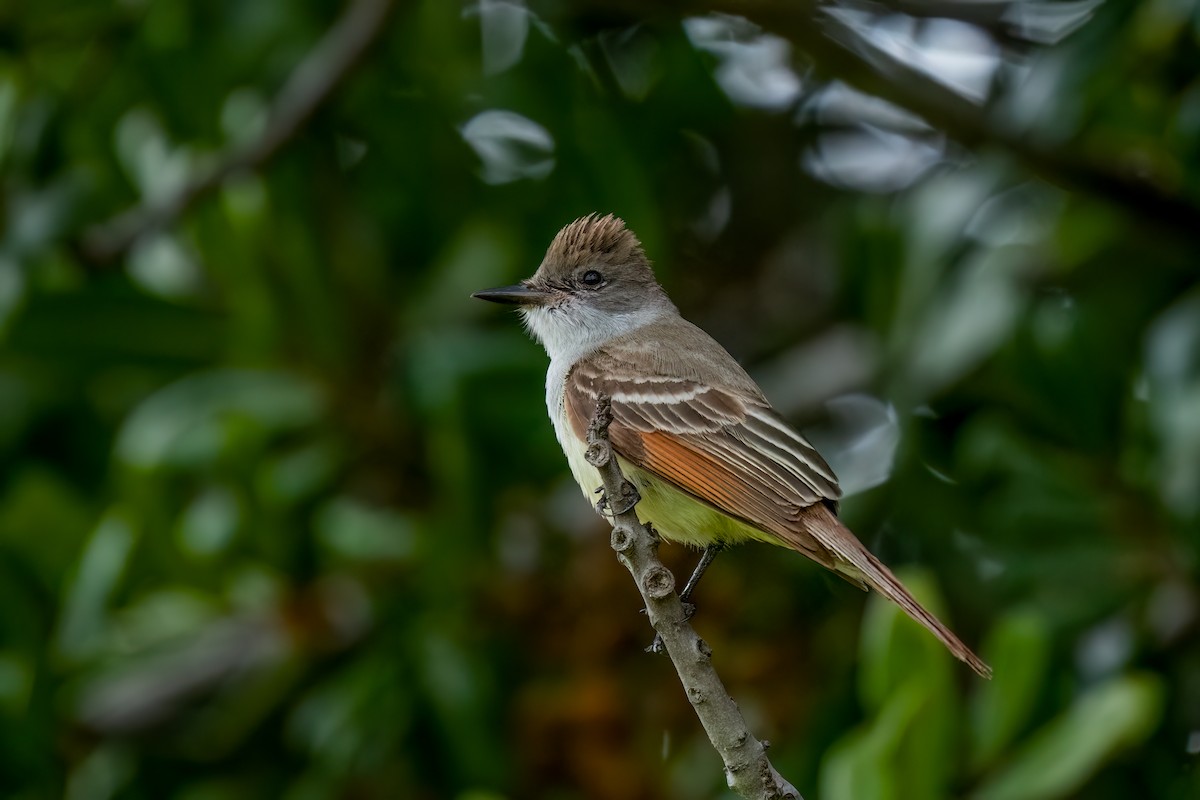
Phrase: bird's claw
x=602 y=503
x=630 y=497
x=658 y=646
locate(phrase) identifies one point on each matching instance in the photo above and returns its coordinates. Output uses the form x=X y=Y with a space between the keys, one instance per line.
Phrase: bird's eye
x=592 y=278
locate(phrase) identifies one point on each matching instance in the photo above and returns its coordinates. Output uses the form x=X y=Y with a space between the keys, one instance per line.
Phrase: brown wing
x=723 y=447
x=730 y=450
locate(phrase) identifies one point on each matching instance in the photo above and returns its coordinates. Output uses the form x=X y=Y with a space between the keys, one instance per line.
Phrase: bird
x=715 y=465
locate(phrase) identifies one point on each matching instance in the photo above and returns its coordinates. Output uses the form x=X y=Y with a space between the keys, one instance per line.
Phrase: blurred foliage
x=925 y=740
x=280 y=511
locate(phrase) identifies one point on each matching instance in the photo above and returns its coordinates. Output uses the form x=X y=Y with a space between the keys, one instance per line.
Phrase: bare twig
x=747 y=769
x=311 y=84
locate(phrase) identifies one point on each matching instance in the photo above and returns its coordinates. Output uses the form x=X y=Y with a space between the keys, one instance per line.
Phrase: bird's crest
x=595 y=238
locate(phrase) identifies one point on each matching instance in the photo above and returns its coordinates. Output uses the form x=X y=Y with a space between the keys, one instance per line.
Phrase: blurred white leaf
x=511 y=146
x=936 y=216
x=1173 y=374
x=1025 y=214
x=972 y=316
x=1049 y=22
x=1105 y=649
x=839 y=104
x=209 y=522
x=149 y=159
x=755 y=68
x=708 y=226
x=871 y=159
x=859 y=441
x=955 y=54
x=36 y=216
x=100 y=567
x=800 y=379
x=160 y=264
x=503 y=27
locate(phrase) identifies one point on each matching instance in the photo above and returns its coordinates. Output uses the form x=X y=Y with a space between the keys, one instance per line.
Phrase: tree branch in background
x=747 y=769
x=310 y=85
x=839 y=52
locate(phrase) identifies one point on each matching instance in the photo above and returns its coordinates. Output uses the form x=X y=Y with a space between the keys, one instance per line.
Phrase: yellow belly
x=679 y=517
x=675 y=514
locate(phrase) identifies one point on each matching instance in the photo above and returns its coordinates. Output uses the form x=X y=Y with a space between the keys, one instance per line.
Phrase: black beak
x=519 y=295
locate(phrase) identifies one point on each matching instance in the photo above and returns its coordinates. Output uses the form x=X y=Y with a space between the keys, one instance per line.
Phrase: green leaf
x=102 y=564
x=895 y=649
x=1064 y=753
x=864 y=764
x=906 y=749
x=355 y=531
x=856 y=769
x=1018 y=650
x=195 y=419
x=901 y=658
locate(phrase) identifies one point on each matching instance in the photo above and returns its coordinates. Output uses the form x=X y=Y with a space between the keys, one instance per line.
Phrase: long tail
x=822 y=525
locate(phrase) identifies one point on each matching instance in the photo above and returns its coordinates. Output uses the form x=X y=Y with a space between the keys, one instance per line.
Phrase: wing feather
x=726 y=447
x=721 y=446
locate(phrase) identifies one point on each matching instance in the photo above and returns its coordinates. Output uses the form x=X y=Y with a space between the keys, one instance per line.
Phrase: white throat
x=571 y=330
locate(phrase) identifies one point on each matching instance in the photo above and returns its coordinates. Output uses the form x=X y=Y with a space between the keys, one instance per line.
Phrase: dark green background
x=281 y=514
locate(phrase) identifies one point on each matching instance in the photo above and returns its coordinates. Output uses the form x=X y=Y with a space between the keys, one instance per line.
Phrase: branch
x=839 y=52
x=309 y=86
x=747 y=770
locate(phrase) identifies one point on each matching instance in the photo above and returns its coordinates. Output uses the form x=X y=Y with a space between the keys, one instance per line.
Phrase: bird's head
x=594 y=284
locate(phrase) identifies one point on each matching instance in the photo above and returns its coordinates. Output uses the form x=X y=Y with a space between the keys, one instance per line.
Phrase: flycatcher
x=714 y=463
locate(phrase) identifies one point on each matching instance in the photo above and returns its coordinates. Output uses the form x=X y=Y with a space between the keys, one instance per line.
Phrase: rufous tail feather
x=822 y=525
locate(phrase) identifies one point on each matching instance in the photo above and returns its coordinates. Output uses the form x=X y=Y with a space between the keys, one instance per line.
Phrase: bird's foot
x=628 y=499
x=658 y=646
x=602 y=503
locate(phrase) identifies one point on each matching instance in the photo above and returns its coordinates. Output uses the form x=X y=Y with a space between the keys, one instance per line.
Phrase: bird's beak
x=519 y=295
